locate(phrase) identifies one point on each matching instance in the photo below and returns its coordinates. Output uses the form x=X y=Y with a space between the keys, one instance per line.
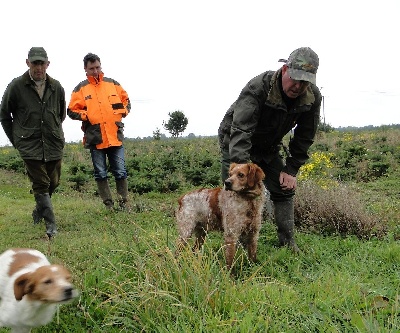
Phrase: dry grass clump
x=336 y=210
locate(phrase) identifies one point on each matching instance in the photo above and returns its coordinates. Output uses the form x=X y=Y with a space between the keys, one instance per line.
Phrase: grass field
x=130 y=281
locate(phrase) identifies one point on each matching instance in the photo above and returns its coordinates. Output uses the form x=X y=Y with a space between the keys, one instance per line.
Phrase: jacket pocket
x=116 y=104
x=21 y=133
x=93 y=134
x=27 y=142
x=120 y=131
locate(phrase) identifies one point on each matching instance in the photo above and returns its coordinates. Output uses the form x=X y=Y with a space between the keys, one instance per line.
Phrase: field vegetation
x=346 y=278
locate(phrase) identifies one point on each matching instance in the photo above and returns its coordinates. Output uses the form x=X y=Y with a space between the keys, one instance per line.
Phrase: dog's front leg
x=252 y=247
x=230 y=249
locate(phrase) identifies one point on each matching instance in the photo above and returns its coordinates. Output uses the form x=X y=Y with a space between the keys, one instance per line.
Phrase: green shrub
x=10 y=160
x=80 y=175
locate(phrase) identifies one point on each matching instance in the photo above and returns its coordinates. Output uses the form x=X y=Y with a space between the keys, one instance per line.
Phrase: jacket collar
x=93 y=80
x=29 y=81
x=275 y=98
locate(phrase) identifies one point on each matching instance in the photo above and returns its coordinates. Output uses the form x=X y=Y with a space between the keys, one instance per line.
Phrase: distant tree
x=325 y=127
x=176 y=124
x=157 y=134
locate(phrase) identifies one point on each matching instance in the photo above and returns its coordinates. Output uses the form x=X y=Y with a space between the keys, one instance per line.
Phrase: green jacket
x=34 y=125
x=254 y=125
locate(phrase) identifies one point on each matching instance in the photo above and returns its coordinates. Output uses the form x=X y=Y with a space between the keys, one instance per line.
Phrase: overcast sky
x=196 y=56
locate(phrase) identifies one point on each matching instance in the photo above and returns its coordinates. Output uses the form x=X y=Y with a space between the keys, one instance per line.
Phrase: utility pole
x=323 y=106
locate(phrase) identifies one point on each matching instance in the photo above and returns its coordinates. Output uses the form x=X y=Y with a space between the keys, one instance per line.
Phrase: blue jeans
x=116 y=160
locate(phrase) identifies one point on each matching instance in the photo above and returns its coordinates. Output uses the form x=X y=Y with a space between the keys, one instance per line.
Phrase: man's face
x=93 y=69
x=38 y=69
x=292 y=88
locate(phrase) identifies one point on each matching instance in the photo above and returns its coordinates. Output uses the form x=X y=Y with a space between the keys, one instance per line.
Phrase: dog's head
x=245 y=178
x=48 y=284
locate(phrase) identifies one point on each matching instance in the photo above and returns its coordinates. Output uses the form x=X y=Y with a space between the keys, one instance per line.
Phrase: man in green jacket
x=269 y=106
x=31 y=113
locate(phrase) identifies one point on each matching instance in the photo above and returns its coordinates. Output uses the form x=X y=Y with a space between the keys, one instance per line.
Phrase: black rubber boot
x=48 y=215
x=38 y=210
x=105 y=193
x=122 y=191
x=284 y=220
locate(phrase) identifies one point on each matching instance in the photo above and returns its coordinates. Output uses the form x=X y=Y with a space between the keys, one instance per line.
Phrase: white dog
x=30 y=289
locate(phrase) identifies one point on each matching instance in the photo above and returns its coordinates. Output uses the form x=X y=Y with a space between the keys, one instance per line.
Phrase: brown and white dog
x=30 y=289
x=236 y=210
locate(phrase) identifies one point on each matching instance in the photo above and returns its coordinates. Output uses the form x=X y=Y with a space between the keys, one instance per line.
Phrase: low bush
x=335 y=210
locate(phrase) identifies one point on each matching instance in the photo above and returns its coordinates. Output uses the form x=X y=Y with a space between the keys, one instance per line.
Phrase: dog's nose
x=68 y=292
x=228 y=184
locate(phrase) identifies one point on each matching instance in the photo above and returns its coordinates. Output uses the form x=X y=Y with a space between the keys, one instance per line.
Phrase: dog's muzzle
x=228 y=185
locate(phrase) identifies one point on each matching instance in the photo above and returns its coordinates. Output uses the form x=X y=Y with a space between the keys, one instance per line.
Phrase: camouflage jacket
x=34 y=125
x=255 y=124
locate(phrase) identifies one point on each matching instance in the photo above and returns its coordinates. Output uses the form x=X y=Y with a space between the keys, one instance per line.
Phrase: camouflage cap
x=303 y=65
x=37 y=53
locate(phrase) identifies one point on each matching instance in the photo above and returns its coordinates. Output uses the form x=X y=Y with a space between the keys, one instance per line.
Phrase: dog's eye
x=241 y=175
x=48 y=281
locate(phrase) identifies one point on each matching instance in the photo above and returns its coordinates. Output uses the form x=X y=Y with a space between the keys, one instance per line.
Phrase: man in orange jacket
x=101 y=103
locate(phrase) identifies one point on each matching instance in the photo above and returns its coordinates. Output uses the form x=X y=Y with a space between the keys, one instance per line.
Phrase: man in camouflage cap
x=268 y=107
x=302 y=65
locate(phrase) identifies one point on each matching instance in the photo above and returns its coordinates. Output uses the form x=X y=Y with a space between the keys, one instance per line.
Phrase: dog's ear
x=256 y=174
x=251 y=176
x=260 y=175
x=22 y=286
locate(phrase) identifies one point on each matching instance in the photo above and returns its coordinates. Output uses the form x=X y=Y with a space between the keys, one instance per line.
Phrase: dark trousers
x=272 y=170
x=44 y=176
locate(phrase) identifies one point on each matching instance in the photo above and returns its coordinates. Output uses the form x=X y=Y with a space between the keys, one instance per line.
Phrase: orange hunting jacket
x=100 y=105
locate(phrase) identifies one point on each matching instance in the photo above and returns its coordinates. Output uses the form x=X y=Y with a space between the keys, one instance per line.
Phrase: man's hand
x=287 y=181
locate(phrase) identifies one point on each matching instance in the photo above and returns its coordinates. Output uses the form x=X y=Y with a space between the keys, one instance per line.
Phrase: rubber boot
x=37 y=211
x=105 y=193
x=48 y=215
x=284 y=220
x=122 y=191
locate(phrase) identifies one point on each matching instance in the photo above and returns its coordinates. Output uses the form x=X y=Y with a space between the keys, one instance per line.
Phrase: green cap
x=37 y=53
x=303 y=65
